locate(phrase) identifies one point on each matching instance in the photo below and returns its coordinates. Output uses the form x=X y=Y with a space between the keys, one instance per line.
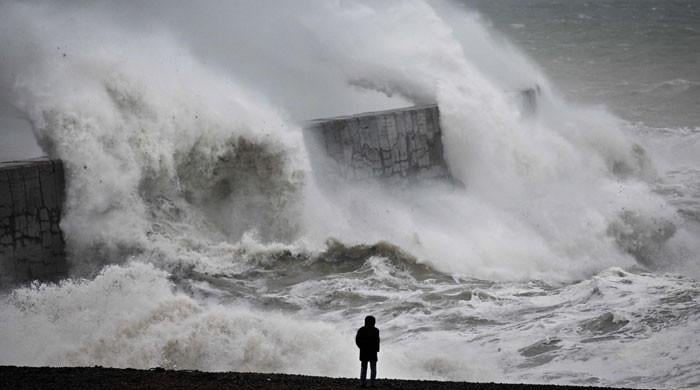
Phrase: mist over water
x=200 y=238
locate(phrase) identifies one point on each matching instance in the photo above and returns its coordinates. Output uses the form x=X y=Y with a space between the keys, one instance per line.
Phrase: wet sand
x=78 y=378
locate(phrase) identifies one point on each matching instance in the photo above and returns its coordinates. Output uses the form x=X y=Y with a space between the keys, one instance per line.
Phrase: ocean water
x=199 y=237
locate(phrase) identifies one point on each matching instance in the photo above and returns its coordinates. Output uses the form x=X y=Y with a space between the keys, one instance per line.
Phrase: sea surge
x=200 y=238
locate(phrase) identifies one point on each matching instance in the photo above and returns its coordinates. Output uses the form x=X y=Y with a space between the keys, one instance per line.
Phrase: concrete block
x=48 y=189
x=43 y=214
x=17 y=195
x=404 y=143
x=31 y=197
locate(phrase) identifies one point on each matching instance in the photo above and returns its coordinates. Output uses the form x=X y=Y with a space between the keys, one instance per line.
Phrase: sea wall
x=393 y=145
x=31 y=242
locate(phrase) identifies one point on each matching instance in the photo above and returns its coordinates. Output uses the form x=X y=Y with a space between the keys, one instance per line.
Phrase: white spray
x=187 y=155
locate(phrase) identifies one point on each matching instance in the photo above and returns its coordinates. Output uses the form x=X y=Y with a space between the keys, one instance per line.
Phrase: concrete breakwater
x=395 y=145
x=31 y=242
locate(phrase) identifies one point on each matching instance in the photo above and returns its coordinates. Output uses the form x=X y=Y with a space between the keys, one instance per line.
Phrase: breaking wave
x=200 y=238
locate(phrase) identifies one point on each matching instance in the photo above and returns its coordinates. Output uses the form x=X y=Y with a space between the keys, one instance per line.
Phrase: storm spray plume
x=192 y=203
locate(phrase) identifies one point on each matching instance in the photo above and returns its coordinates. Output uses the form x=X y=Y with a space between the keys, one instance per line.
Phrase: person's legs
x=363 y=372
x=373 y=369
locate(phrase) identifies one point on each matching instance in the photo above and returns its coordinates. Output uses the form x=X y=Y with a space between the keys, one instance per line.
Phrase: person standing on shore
x=367 y=339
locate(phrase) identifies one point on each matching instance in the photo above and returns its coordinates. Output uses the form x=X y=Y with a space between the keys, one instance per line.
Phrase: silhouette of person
x=367 y=339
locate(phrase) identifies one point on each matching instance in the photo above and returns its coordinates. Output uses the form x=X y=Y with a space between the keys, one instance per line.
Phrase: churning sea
x=570 y=256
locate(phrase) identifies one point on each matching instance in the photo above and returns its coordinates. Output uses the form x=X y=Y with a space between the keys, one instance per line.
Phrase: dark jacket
x=367 y=339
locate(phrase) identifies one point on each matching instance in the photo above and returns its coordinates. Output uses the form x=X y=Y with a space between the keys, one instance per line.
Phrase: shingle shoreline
x=113 y=378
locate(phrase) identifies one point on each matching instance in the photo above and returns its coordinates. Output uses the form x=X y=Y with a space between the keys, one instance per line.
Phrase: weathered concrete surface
x=31 y=242
x=387 y=145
